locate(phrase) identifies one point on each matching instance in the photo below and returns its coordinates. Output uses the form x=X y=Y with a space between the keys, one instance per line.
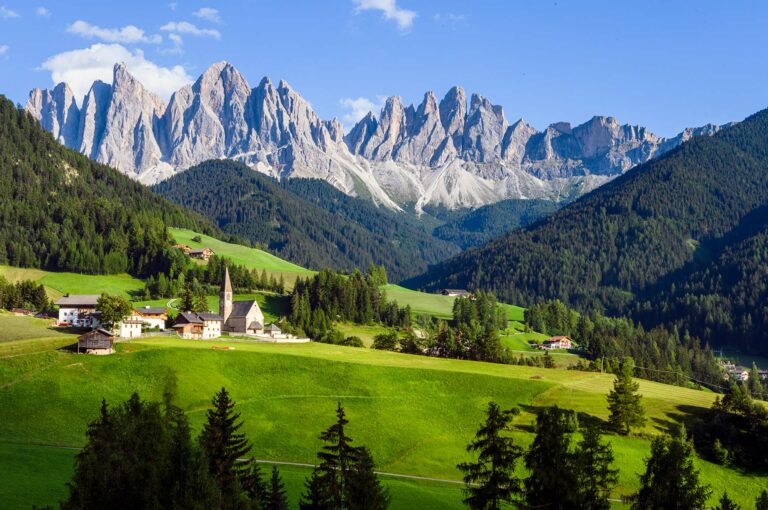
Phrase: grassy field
x=437 y=305
x=58 y=284
x=249 y=257
x=415 y=413
x=273 y=305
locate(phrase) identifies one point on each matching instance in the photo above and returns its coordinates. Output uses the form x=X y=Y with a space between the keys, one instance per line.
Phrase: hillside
x=61 y=211
x=287 y=394
x=308 y=223
x=479 y=226
x=614 y=246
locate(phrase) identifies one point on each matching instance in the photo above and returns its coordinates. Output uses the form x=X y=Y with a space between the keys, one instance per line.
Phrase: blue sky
x=664 y=65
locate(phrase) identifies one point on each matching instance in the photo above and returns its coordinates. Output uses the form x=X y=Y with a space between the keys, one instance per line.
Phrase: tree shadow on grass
x=584 y=419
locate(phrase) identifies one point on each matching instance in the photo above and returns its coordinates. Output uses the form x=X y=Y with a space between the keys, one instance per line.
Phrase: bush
x=386 y=341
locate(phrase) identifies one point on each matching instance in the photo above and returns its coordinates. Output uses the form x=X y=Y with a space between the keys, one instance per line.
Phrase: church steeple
x=225 y=297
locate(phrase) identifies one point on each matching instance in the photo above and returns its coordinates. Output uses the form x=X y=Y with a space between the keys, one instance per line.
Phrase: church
x=240 y=317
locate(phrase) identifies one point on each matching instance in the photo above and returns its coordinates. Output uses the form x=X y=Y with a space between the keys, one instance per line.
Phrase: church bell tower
x=225 y=298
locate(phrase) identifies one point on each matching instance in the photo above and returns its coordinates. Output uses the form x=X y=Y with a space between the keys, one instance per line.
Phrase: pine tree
x=624 y=402
x=551 y=482
x=670 y=476
x=491 y=480
x=726 y=503
x=365 y=491
x=224 y=446
x=755 y=383
x=317 y=495
x=762 y=501
x=594 y=475
x=337 y=458
x=277 y=495
x=255 y=486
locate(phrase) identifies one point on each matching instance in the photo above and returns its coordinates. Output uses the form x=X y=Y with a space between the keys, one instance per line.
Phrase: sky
x=663 y=65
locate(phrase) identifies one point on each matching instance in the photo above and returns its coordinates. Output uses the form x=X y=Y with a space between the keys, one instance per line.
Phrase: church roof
x=226 y=285
x=241 y=308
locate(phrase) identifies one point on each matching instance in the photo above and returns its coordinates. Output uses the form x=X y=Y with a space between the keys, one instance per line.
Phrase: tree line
x=661 y=355
x=142 y=454
x=23 y=294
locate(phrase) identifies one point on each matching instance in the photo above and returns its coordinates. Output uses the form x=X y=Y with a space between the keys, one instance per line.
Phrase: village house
x=273 y=331
x=239 y=317
x=78 y=310
x=198 y=326
x=201 y=253
x=152 y=316
x=557 y=342
x=130 y=327
x=98 y=341
x=183 y=247
x=456 y=293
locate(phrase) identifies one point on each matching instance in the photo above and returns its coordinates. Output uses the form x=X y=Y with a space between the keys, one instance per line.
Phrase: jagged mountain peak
x=451 y=151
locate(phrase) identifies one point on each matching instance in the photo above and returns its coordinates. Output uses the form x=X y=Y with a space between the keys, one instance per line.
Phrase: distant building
x=273 y=330
x=456 y=293
x=241 y=317
x=98 y=341
x=183 y=247
x=130 y=327
x=201 y=253
x=198 y=326
x=557 y=342
x=78 y=310
x=152 y=316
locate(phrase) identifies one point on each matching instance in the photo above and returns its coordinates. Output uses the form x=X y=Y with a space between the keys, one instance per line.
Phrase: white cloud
x=80 y=68
x=357 y=108
x=184 y=27
x=129 y=34
x=4 y=49
x=6 y=13
x=43 y=12
x=208 y=14
x=389 y=9
x=177 y=48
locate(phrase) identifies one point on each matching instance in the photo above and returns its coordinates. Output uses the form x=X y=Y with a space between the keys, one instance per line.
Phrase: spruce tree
x=755 y=383
x=224 y=446
x=365 y=491
x=317 y=495
x=255 y=486
x=762 y=501
x=726 y=503
x=491 y=480
x=277 y=495
x=624 y=402
x=670 y=477
x=551 y=481
x=594 y=475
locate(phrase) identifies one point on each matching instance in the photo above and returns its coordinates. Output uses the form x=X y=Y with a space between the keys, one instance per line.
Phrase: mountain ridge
x=453 y=152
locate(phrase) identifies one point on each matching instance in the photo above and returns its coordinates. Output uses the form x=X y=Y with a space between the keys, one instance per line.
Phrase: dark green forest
x=665 y=243
x=61 y=211
x=306 y=221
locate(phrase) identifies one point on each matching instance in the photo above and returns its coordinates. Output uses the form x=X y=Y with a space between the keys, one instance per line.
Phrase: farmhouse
x=243 y=317
x=152 y=316
x=456 y=293
x=78 y=310
x=98 y=341
x=273 y=330
x=183 y=247
x=201 y=253
x=198 y=326
x=557 y=342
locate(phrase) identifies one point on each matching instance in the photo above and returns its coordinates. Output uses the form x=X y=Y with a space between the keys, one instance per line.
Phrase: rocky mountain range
x=453 y=153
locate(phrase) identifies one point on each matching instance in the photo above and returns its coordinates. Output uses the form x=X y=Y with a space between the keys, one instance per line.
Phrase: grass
x=437 y=305
x=415 y=413
x=13 y=328
x=57 y=284
x=274 y=306
x=251 y=258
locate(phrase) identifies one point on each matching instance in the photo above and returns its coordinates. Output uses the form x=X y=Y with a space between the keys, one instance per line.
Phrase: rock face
x=439 y=152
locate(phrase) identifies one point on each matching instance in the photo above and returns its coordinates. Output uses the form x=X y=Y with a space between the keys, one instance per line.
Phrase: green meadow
x=415 y=413
x=57 y=284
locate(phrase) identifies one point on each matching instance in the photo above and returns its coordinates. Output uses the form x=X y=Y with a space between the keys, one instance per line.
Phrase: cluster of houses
x=239 y=318
x=733 y=372
x=195 y=253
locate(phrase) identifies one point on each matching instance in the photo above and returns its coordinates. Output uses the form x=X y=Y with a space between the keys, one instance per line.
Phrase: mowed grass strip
x=437 y=305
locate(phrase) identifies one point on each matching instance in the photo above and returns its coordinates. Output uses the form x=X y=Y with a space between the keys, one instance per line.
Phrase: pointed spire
x=226 y=285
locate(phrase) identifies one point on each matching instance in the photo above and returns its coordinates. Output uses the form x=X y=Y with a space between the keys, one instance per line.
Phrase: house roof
x=103 y=333
x=256 y=325
x=188 y=318
x=558 y=339
x=151 y=310
x=200 y=250
x=273 y=327
x=208 y=316
x=241 y=308
x=78 y=299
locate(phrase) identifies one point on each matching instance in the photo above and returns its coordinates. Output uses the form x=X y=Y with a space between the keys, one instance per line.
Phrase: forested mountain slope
x=623 y=240
x=479 y=226
x=61 y=211
x=306 y=221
